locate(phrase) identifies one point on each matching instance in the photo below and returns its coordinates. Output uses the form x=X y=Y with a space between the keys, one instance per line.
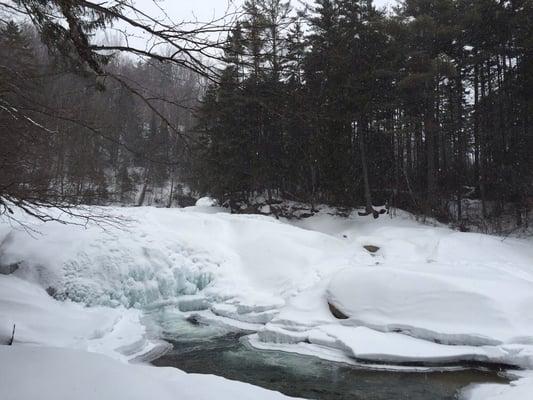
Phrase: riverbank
x=294 y=374
x=386 y=291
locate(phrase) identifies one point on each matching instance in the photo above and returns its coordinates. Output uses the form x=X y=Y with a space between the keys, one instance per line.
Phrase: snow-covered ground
x=428 y=295
x=63 y=374
x=41 y=320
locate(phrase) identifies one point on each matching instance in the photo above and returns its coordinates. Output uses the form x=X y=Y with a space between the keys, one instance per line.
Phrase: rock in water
x=371 y=248
x=336 y=312
x=7 y=269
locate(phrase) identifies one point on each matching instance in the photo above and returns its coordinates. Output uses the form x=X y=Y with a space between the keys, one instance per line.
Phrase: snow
x=367 y=344
x=519 y=389
x=441 y=303
x=429 y=295
x=160 y=254
x=54 y=355
x=64 y=374
x=206 y=202
x=40 y=320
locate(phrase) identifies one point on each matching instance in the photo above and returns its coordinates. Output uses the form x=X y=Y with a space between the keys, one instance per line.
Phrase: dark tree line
x=420 y=108
x=428 y=108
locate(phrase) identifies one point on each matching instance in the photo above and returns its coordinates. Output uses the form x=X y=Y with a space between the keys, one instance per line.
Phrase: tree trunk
x=429 y=130
x=140 y=202
x=169 y=204
x=482 y=155
x=362 y=149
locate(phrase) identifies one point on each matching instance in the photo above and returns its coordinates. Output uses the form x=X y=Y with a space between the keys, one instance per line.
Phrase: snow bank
x=520 y=389
x=161 y=254
x=427 y=283
x=41 y=320
x=64 y=374
x=429 y=296
x=367 y=344
x=440 y=303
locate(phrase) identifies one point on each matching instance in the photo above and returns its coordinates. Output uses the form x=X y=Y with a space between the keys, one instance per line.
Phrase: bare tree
x=71 y=30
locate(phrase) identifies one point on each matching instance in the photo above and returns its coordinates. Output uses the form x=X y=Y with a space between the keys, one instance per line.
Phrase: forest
x=426 y=106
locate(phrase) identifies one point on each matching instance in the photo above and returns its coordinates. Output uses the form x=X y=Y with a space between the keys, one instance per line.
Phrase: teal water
x=214 y=350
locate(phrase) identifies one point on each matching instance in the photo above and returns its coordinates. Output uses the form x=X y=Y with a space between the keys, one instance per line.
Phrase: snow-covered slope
x=64 y=374
x=41 y=320
x=158 y=254
x=428 y=295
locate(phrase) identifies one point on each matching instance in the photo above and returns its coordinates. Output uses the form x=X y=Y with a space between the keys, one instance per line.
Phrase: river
x=216 y=350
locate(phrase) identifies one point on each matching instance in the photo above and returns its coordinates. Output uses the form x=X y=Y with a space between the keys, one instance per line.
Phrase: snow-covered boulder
x=206 y=202
x=447 y=305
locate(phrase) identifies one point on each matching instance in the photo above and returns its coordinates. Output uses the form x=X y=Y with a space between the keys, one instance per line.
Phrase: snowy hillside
x=422 y=294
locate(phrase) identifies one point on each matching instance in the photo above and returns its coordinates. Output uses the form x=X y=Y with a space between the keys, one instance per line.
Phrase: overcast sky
x=205 y=9
x=183 y=10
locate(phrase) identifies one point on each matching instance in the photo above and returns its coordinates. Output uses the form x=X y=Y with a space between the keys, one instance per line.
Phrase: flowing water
x=214 y=350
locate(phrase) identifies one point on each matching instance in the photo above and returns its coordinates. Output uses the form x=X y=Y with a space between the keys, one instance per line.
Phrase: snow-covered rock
x=429 y=295
x=439 y=303
x=367 y=344
x=206 y=202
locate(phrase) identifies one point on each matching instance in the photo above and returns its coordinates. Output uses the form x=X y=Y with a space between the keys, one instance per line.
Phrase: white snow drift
x=441 y=303
x=41 y=320
x=63 y=374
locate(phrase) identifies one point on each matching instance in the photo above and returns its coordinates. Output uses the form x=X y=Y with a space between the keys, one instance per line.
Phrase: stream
x=219 y=351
